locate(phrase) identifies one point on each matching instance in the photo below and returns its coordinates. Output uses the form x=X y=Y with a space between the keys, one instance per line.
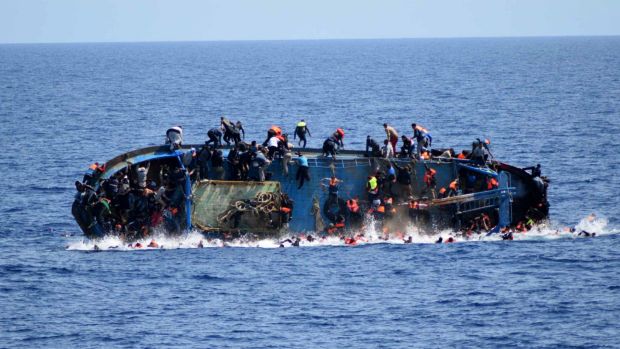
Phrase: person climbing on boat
x=430 y=181
x=261 y=162
x=403 y=178
x=240 y=129
x=174 y=137
x=272 y=146
x=422 y=136
x=373 y=147
x=406 y=151
x=453 y=188
x=230 y=131
x=391 y=135
x=387 y=151
x=333 y=186
x=215 y=137
x=372 y=188
x=333 y=143
x=303 y=171
x=300 y=131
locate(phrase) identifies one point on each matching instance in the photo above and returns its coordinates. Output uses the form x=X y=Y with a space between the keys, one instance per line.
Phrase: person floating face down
x=174 y=137
x=333 y=143
x=300 y=131
x=215 y=137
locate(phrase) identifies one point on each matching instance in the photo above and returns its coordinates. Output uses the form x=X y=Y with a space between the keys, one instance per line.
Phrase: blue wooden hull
x=352 y=167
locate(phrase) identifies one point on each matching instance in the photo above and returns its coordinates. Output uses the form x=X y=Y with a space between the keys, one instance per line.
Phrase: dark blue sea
x=553 y=101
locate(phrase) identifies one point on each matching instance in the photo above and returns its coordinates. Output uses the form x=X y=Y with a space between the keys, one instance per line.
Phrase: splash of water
x=195 y=239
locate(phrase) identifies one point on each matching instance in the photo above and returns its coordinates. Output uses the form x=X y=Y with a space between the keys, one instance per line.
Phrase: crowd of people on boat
x=135 y=199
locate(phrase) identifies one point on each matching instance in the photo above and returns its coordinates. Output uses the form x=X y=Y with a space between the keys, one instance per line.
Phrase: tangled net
x=263 y=205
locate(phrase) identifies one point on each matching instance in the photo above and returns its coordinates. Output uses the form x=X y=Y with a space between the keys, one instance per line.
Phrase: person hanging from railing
x=453 y=188
x=303 y=170
x=430 y=181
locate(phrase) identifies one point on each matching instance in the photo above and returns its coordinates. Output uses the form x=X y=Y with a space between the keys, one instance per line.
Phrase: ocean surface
x=553 y=101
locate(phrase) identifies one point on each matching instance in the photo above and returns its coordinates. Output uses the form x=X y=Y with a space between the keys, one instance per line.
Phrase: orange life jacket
x=339 y=225
x=492 y=183
x=285 y=209
x=461 y=156
x=340 y=132
x=429 y=176
x=414 y=205
x=454 y=185
x=442 y=191
x=381 y=209
x=281 y=138
x=425 y=155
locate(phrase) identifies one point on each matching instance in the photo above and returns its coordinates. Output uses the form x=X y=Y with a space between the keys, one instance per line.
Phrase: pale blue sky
x=189 y=20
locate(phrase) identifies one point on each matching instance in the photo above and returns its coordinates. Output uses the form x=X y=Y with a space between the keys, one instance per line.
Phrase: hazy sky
x=181 y=20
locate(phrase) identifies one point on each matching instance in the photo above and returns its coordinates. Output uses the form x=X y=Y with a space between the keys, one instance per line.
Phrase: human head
x=384 y=125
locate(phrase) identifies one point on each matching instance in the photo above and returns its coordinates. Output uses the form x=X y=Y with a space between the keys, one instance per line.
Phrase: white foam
x=195 y=239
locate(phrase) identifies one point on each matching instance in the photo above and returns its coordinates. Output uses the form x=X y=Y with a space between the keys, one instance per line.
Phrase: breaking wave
x=593 y=225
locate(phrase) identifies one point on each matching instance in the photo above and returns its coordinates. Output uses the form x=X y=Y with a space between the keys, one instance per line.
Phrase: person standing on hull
x=174 y=137
x=300 y=131
x=391 y=135
x=215 y=137
x=333 y=143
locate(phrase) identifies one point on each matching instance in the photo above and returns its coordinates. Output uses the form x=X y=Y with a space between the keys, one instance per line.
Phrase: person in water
x=300 y=131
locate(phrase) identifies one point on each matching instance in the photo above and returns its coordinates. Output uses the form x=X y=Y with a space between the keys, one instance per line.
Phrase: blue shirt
x=303 y=161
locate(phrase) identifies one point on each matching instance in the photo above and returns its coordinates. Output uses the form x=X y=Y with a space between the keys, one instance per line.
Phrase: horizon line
x=309 y=39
